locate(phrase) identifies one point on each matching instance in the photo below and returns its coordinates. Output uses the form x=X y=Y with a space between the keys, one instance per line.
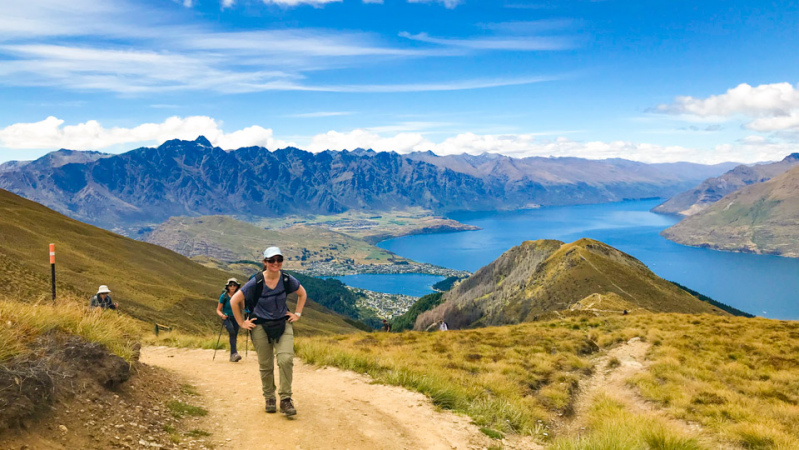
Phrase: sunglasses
x=276 y=259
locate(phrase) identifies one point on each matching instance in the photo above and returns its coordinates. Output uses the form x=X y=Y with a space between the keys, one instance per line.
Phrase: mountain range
x=191 y=178
x=713 y=189
x=543 y=277
x=761 y=218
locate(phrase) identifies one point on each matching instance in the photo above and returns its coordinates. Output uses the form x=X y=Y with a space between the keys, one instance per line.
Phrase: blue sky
x=652 y=81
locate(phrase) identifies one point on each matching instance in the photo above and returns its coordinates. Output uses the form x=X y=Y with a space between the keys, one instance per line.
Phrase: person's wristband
x=298 y=314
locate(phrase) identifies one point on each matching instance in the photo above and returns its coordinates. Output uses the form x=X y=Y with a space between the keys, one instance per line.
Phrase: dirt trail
x=336 y=409
x=611 y=381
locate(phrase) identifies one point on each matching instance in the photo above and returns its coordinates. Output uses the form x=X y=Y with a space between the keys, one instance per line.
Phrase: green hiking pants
x=284 y=350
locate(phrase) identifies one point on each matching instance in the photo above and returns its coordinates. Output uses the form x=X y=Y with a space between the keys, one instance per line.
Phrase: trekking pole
x=247 y=345
x=217 y=340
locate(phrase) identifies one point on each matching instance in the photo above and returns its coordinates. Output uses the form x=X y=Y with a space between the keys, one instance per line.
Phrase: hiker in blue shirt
x=224 y=311
x=270 y=322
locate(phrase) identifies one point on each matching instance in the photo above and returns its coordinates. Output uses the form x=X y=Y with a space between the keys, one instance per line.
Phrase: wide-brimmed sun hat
x=272 y=251
x=103 y=290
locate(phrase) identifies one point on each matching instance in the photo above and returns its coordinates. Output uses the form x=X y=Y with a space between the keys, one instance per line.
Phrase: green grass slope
x=761 y=218
x=151 y=283
x=540 y=277
x=227 y=239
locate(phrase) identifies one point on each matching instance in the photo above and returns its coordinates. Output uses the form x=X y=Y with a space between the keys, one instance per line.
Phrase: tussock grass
x=736 y=377
x=510 y=379
x=613 y=428
x=21 y=323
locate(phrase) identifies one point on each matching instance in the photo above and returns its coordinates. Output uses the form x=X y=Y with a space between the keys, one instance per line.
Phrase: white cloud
x=227 y=3
x=449 y=4
x=401 y=142
x=776 y=123
x=519 y=43
x=773 y=107
x=377 y=2
x=532 y=144
x=91 y=135
x=51 y=134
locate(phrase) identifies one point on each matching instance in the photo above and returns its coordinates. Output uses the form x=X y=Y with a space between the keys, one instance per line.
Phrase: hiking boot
x=235 y=357
x=271 y=405
x=286 y=407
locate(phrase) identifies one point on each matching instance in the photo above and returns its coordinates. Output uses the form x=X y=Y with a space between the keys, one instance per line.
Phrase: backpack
x=255 y=293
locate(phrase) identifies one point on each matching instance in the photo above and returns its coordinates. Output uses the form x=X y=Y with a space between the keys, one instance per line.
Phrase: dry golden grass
x=22 y=323
x=736 y=377
x=512 y=379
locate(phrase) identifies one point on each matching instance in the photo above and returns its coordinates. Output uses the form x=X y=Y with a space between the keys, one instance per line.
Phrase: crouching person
x=102 y=299
x=270 y=322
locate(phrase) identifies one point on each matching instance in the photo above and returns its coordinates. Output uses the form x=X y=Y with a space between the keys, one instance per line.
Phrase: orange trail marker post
x=52 y=268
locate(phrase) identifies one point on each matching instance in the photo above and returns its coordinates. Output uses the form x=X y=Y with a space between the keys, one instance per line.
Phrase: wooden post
x=52 y=268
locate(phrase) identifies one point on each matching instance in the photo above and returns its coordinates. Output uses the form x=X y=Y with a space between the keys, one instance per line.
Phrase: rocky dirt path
x=336 y=409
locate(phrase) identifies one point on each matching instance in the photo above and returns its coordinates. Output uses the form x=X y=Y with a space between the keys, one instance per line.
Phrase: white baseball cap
x=103 y=290
x=272 y=251
x=231 y=280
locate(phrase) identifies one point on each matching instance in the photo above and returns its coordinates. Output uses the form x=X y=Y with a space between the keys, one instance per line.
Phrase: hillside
x=762 y=218
x=712 y=190
x=145 y=186
x=227 y=239
x=151 y=283
x=540 y=277
x=608 y=382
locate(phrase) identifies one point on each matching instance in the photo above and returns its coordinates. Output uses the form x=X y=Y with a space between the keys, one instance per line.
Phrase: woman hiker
x=271 y=324
x=102 y=299
x=224 y=311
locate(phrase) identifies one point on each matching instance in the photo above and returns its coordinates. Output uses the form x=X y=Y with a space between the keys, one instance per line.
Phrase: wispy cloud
x=528 y=43
x=84 y=45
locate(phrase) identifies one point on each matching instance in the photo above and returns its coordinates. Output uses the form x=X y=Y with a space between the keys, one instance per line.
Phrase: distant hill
x=544 y=276
x=151 y=283
x=146 y=186
x=227 y=239
x=712 y=190
x=761 y=218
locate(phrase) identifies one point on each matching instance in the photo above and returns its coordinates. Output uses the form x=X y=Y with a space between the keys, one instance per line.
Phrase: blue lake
x=763 y=285
x=413 y=284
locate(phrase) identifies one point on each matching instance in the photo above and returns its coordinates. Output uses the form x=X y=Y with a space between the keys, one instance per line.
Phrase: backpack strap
x=287 y=283
x=255 y=293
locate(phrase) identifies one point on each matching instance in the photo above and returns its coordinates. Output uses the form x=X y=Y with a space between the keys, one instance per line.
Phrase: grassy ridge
x=150 y=283
x=22 y=323
x=735 y=376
